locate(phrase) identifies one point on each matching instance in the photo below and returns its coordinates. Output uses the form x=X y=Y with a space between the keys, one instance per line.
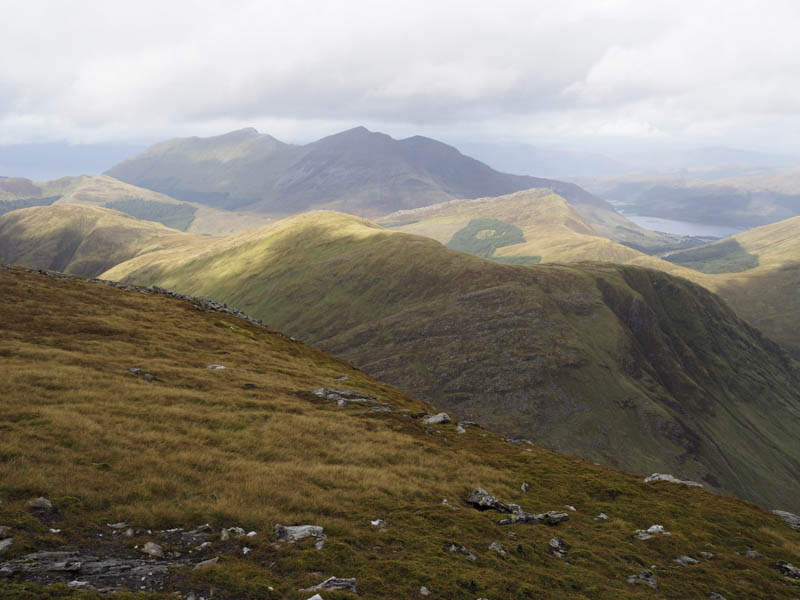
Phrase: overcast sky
x=566 y=72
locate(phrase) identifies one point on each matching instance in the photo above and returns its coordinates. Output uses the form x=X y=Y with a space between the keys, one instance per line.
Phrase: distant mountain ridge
x=356 y=171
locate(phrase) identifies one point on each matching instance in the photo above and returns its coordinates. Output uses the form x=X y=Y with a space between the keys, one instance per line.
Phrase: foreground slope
x=625 y=365
x=249 y=446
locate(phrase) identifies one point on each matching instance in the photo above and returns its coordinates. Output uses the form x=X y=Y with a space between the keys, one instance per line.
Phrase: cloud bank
x=706 y=71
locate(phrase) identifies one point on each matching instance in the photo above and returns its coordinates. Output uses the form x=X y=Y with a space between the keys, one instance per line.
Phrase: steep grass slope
x=84 y=240
x=629 y=366
x=249 y=446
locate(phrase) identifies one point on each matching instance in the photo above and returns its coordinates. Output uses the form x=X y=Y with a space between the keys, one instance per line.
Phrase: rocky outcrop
x=671 y=479
x=483 y=500
x=334 y=583
x=787 y=570
x=558 y=547
x=438 y=419
x=344 y=397
x=454 y=547
x=790 y=518
x=297 y=533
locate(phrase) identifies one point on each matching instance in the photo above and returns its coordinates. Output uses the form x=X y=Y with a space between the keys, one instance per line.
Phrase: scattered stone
x=497 y=547
x=251 y=534
x=706 y=555
x=787 y=570
x=525 y=487
x=207 y=563
x=6 y=543
x=316 y=597
x=482 y=500
x=246 y=550
x=755 y=554
x=423 y=591
x=343 y=397
x=334 y=583
x=40 y=503
x=5 y=531
x=558 y=547
x=460 y=429
x=671 y=479
x=602 y=517
x=51 y=530
x=378 y=523
x=342 y=378
x=153 y=549
x=438 y=419
x=645 y=577
x=297 y=533
x=716 y=596
x=384 y=408
x=454 y=547
x=553 y=517
x=650 y=532
x=120 y=525
x=430 y=431
x=685 y=561
x=142 y=374
x=790 y=518
x=226 y=533
x=319 y=545
x=569 y=507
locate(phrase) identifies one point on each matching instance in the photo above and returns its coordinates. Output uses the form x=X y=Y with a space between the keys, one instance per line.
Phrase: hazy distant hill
x=107 y=192
x=744 y=201
x=356 y=171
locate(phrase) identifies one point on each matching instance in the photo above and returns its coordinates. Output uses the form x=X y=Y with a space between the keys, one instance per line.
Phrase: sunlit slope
x=758 y=274
x=106 y=192
x=84 y=240
x=553 y=229
x=625 y=365
x=249 y=446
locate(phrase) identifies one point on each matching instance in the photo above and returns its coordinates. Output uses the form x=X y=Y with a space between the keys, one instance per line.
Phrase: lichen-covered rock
x=438 y=419
x=482 y=500
x=685 y=561
x=552 y=517
x=644 y=577
x=671 y=479
x=296 y=533
x=334 y=583
x=153 y=549
x=792 y=519
x=498 y=547
x=558 y=547
x=787 y=570
x=454 y=547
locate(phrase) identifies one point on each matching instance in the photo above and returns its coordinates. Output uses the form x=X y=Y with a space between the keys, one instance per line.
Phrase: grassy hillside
x=551 y=228
x=759 y=277
x=84 y=240
x=106 y=192
x=627 y=366
x=249 y=446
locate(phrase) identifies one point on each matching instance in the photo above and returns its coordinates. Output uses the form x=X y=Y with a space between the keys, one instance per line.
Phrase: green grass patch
x=482 y=237
x=176 y=216
x=723 y=257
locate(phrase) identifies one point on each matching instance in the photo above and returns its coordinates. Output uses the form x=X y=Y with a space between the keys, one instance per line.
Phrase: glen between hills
x=624 y=365
x=160 y=451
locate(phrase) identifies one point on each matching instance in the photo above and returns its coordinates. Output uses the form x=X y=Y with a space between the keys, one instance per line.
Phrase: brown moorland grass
x=249 y=446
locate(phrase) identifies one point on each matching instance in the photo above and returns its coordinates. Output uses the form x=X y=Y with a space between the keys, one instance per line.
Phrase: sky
x=575 y=74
